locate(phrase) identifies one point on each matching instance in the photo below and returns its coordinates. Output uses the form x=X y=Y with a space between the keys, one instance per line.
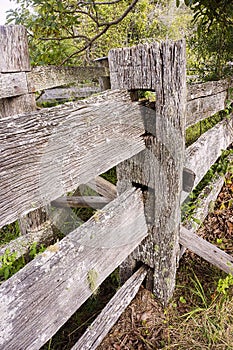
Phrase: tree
x=213 y=39
x=220 y=11
x=62 y=30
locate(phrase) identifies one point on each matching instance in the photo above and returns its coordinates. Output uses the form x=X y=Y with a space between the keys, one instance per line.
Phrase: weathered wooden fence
x=48 y=152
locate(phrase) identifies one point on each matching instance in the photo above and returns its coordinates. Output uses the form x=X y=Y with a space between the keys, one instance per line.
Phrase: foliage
x=224 y=284
x=220 y=11
x=61 y=30
x=10 y=263
x=212 y=41
x=76 y=32
x=9 y=232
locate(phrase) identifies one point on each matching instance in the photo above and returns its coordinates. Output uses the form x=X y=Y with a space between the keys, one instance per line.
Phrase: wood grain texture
x=209 y=88
x=103 y=187
x=13 y=84
x=157 y=170
x=47 y=153
x=95 y=202
x=205 y=107
x=96 y=332
x=205 y=151
x=206 y=99
x=41 y=78
x=41 y=297
x=14 y=56
x=133 y=68
x=206 y=250
x=16 y=105
x=68 y=93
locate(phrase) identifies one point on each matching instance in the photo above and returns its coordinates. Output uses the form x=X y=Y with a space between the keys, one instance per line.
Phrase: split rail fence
x=48 y=152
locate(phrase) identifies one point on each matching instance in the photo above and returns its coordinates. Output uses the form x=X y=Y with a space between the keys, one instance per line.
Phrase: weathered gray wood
x=50 y=152
x=204 y=202
x=68 y=93
x=13 y=84
x=188 y=179
x=205 y=151
x=108 y=190
x=133 y=68
x=206 y=99
x=158 y=170
x=103 y=187
x=94 y=202
x=209 y=88
x=16 y=105
x=112 y=311
x=41 y=78
x=41 y=297
x=205 y=107
x=22 y=245
x=206 y=250
x=14 y=55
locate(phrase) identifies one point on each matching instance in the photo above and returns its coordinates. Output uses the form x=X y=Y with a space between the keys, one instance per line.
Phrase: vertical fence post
x=14 y=59
x=157 y=170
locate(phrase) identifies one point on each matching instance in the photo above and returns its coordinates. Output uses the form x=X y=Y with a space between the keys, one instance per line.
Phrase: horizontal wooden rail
x=209 y=88
x=95 y=202
x=206 y=250
x=41 y=78
x=203 y=153
x=42 y=296
x=204 y=107
x=68 y=93
x=207 y=99
x=47 y=153
x=103 y=187
x=204 y=204
x=98 y=330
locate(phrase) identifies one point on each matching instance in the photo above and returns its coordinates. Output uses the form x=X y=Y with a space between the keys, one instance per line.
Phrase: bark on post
x=157 y=170
x=14 y=63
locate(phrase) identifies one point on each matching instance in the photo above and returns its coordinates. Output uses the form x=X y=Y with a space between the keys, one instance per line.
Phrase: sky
x=4 y=6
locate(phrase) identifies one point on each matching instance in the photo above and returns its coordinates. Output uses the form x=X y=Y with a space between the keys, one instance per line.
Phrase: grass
x=205 y=321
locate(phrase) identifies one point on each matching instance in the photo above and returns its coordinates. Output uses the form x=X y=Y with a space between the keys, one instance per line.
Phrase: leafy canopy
x=62 y=30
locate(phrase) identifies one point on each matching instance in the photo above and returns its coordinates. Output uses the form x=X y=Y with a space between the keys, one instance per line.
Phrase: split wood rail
x=48 y=152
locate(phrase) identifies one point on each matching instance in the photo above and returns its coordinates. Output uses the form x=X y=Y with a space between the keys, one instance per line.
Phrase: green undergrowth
x=195 y=131
x=9 y=232
x=10 y=264
x=200 y=315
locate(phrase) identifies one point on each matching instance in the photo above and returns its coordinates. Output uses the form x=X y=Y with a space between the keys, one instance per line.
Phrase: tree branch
x=103 y=31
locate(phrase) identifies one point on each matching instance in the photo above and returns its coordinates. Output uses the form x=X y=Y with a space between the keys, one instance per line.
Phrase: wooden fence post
x=14 y=61
x=157 y=170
